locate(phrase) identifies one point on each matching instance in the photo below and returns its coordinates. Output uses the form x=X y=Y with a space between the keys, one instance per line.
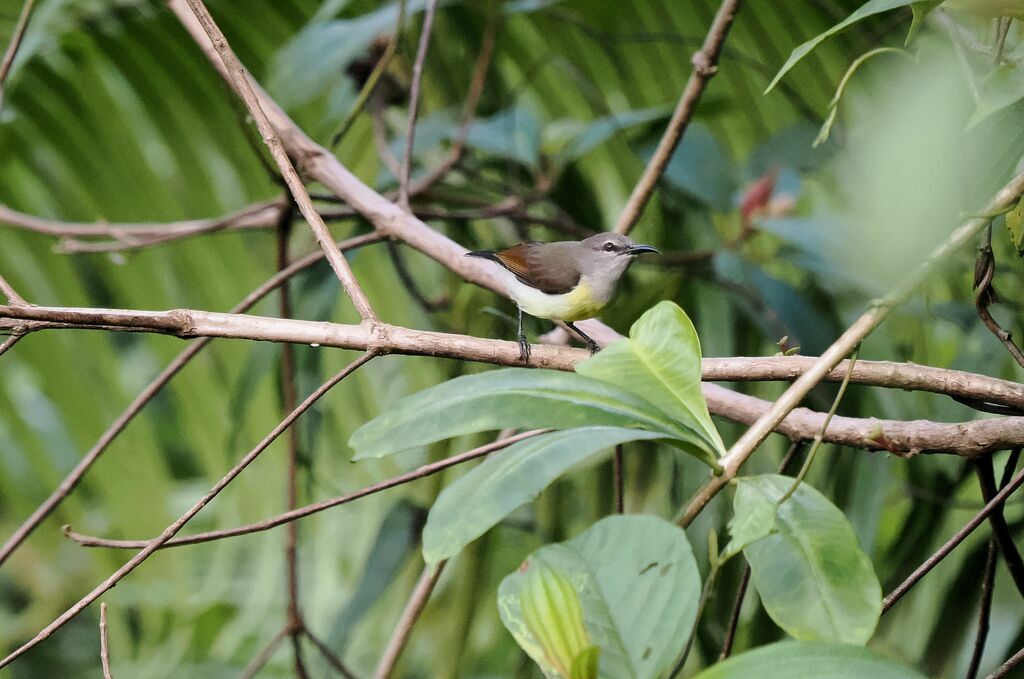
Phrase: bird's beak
x=637 y=249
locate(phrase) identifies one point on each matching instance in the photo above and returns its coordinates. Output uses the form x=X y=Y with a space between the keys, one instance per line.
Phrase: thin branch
x=4 y=346
x=985 y=294
x=861 y=328
x=988 y=581
x=13 y=45
x=332 y=659
x=257 y=663
x=1006 y=667
x=302 y=512
x=1000 y=531
x=979 y=518
x=173 y=529
x=300 y=664
x=239 y=79
x=414 y=102
x=104 y=643
x=417 y=602
x=410 y=284
x=371 y=82
x=10 y=293
x=705 y=65
x=151 y=390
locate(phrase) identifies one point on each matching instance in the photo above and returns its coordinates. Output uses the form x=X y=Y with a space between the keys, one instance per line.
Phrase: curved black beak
x=637 y=249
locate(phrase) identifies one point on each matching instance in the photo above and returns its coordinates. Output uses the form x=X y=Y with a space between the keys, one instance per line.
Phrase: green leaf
x=639 y=586
x=660 y=361
x=753 y=518
x=1015 y=225
x=867 y=9
x=813 y=578
x=514 y=134
x=517 y=398
x=1003 y=87
x=920 y=10
x=585 y=138
x=586 y=663
x=554 y=616
x=808 y=660
x=468 y=508
x=702 y=168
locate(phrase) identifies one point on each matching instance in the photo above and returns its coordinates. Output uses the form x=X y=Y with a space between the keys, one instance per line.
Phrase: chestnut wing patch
x=556 y=276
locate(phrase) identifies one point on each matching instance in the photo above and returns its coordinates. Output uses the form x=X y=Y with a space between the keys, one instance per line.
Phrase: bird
x=566 y=281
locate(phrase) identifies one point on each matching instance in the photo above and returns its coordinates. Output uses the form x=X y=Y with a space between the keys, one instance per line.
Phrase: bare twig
x=4 y=346
x=302 y=512
x=1000 y=531
x=13 y=45
x=10 y=293
x=371 y=82
x=985 y=294
x=261 y=658
x=332 y=659
x=861 y=328
x=1006 y=667
x=239 y=79
x=172 y=530
x=979 y=518
x=417 y=602
x=104 y=642
x=988 y=581
x=705 y=65
x=414 y=101
x=151 y=390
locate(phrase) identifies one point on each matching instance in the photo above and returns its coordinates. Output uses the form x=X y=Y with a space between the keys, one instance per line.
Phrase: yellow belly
x=575 y=305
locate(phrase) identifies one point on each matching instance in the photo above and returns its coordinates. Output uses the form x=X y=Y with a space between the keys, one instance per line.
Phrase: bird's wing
x=523 y=261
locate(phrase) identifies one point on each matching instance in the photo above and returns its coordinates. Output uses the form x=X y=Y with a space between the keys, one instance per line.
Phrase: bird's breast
x=575 y=305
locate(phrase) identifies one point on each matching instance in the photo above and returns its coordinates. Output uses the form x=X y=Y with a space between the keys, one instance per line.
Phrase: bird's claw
x=593 y=346
x=524 y=349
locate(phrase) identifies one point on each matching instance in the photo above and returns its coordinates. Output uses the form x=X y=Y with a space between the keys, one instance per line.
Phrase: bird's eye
x=609 y=247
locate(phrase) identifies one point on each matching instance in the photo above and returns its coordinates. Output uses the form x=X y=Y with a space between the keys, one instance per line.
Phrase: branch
x=417 y=602
x=414 y=102
x=979 y=518
x=104 y=643
x=861 y=328
x=147 y=394
x=172 y=530
x=10 y=293
x=1004 y=669
x=308 y=510
x=985 y=295
x=13 y=45
x=240 y=82
x=705 y=65
x=1000 y=530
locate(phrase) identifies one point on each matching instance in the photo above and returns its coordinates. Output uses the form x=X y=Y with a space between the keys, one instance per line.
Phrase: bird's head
x=609 y=252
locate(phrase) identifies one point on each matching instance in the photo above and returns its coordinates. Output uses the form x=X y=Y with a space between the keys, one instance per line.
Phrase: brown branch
x=302 y=512
x=4 y=346
x=988 y=581
x=239 y=79
x=12 y=47
x=1000 y=530
x=264 y=655
x=618 y=481
x=417 y=602
x=329 y=655
x=104 y=643
x=10 y=293
x=173 y=529
x=705 y=65
x=151 y=390
x=985 y=295
x=414 y=102
x=979 y=518
x=1006 y=667
x=861 y=328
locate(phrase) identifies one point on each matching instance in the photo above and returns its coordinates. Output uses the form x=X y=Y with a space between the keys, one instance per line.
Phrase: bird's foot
x=593 y=346
x=524 y=349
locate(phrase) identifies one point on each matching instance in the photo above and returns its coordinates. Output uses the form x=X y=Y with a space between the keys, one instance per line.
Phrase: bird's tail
x=485 y=254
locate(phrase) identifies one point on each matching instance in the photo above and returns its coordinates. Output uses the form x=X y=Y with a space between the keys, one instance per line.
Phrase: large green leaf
x=812 y=576
x=518 y=398
x=660 y=361
x=808 y=660
x=753 y=518
x=466 y=509
x=639 y=586
x=868 y=9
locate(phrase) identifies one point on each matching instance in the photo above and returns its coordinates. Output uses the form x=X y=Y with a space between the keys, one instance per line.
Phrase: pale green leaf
x=808 y=660
x=1003 y=87
x=639 y=587
x=660 y=361
x=867 y=9
x=813 y=578
x=1015 y=225
x=506 y=480
x=753 y=518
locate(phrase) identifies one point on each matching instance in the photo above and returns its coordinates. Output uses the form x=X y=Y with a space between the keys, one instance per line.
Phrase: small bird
x=567 y=281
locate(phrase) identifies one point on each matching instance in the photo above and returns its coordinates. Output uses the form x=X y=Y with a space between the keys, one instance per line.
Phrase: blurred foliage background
x=112 y=114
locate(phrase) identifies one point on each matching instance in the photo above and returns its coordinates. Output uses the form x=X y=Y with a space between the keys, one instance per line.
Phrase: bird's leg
x=591 y=344
x=524 y=346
